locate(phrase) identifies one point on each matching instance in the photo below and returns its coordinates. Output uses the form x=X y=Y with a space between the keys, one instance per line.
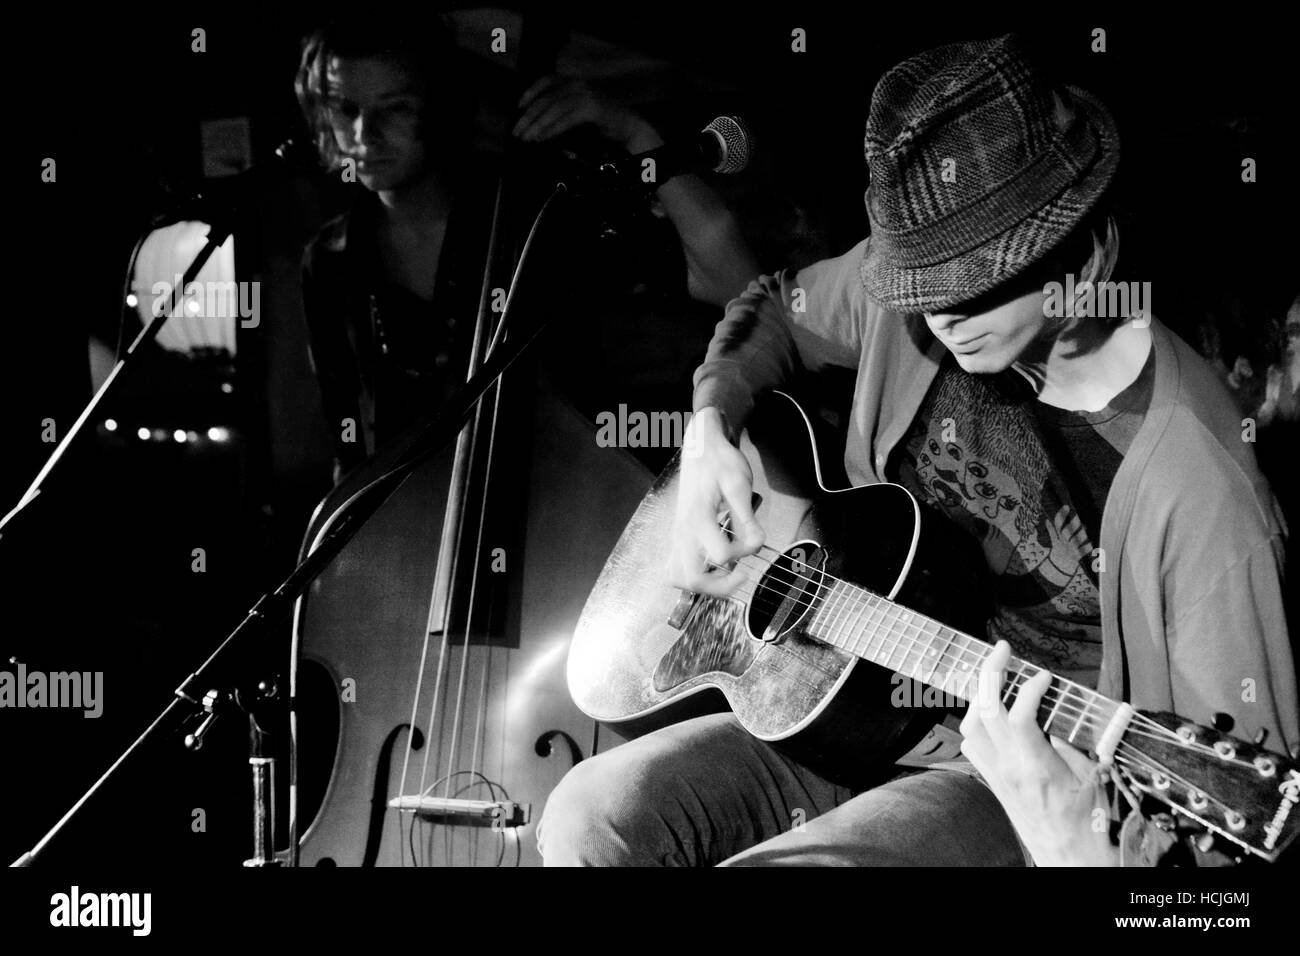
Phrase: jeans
x=705 y=792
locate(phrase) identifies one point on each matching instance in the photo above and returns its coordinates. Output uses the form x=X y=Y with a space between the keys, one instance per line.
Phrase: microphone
x=724 y=146
x=217 y=196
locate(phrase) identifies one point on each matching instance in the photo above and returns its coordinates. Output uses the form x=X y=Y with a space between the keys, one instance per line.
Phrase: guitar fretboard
x=876 y=629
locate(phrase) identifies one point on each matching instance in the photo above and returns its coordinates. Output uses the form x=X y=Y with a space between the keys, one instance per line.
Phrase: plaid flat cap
x=979 y=166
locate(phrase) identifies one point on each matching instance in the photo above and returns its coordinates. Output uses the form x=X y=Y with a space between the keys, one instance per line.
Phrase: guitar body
x=634 y=665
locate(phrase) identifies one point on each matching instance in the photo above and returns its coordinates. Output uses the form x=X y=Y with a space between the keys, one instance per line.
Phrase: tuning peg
x=1295 y=751
x=1205 y=842
x=1223 y=723
x=1259 y=737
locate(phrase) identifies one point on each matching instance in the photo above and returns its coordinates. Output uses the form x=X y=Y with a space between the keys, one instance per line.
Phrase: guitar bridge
x=682 y=610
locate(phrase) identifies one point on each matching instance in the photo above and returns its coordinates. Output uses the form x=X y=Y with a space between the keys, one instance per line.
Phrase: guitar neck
x=876 y=629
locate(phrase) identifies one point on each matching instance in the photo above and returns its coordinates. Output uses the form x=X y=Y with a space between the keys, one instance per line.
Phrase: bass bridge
x=497 y=814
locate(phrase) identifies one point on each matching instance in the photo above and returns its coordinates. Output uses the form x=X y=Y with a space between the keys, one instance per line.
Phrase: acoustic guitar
x=854 y=587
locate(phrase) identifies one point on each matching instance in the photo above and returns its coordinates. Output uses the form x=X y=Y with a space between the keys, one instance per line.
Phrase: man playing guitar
x=1131 y=542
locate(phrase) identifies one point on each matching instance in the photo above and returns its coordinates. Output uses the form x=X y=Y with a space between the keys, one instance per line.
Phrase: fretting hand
x=1051 y=791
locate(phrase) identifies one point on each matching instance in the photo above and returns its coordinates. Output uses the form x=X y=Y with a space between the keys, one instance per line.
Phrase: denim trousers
x=705 y=792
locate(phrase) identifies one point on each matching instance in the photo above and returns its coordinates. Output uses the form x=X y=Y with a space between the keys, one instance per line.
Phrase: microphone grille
x=735 y=139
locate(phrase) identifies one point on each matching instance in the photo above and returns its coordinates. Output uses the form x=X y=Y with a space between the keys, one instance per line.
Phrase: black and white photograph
x=624 y=436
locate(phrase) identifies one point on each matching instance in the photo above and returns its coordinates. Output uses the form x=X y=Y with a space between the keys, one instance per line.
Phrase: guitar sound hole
x=786 y=592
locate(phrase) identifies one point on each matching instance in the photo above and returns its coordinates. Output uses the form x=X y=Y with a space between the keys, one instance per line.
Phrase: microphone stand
x=440 y=431
x=221 y=225
x=216 y=236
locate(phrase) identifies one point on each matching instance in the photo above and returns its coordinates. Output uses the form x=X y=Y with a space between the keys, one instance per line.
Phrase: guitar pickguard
x=714 y=640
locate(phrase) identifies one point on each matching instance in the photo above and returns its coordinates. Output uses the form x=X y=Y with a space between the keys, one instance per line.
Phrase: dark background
x=97 y=575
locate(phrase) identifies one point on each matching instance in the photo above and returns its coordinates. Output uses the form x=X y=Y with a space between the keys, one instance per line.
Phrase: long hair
x=1091 y=252
x=428 y=47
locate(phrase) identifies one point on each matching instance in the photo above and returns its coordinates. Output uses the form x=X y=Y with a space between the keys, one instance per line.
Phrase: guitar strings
x=893 y=613
x=902 y=640
x=1125 y=754
x=1128 y=759
x=1018 y=677
x=1124 y=751
x=1020 y=670
x=856 y=598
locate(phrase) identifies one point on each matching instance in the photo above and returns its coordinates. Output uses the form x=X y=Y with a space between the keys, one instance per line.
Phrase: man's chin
x=979 y=363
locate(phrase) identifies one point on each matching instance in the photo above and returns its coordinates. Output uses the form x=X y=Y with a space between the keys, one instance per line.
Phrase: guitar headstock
x=1238 y=790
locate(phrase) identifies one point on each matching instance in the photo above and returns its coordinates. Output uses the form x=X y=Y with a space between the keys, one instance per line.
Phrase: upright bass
x=430 y=699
